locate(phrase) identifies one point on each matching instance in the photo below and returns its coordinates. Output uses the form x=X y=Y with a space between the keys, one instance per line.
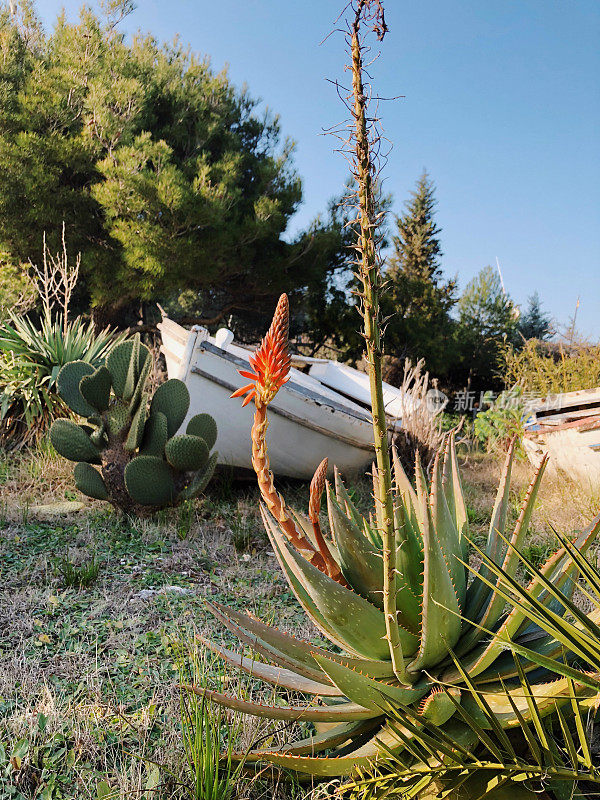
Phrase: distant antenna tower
x=500 y=273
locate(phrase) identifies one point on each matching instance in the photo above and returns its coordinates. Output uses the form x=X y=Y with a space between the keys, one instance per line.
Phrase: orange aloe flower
x=271 y=362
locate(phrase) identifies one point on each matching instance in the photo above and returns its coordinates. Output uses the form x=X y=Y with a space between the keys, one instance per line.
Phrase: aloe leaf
x=298 y=586
x=361 y=565
x=277 y=676
x=441 y=619
x=294 y=653
x=495 y=606
x=454 y=492
x=326 y=740
x=447 y=534
x=333 y=713
x=358 y=623
x=366 y=691
x=478 y=593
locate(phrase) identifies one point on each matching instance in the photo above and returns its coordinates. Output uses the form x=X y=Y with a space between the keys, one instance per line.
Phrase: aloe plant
x=414 y=639
x=145 y=464
x=451 y=633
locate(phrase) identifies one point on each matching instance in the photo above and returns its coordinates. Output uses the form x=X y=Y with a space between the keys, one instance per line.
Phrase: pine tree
x=534 y=323
x=417 y=248
x=487 y=322
x=419 y=300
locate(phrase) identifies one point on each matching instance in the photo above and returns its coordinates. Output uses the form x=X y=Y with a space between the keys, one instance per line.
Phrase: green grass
x=89 y=704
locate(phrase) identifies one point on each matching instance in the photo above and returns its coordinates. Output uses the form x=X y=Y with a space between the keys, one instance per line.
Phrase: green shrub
x=495 y=428
x=31 y=356
x=545 y=368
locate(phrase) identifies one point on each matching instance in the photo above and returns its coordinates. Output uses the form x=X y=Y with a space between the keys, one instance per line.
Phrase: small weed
x=77 y=577
x=185 y=520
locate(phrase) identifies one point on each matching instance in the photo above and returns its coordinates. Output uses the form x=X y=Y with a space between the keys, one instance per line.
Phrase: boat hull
x=305 y=424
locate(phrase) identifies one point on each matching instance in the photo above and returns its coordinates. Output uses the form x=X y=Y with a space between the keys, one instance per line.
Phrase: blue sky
x=502 y=106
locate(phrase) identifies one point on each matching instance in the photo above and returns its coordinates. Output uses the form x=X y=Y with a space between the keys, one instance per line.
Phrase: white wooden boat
x=566 y=427
x=308 y=420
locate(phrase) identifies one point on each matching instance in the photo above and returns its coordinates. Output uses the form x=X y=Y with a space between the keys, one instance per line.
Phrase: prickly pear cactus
x=129 y=452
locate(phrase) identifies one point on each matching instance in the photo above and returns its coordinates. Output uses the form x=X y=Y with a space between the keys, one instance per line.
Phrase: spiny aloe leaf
x=441 y=622
x=67 y=383
x=72 y=442
x=173 y=400
x=149 y=481
x=356 y=623
x=155 y=435
x=447 y=534
x=454 y=492
x=298 y=655
x=333 y=713
x=95 y=388
x=298 y=588
x=345 y=502
x=366 y=691
x=326 y=740
x=361 y=565
x=89 y=481
x=204 y=426
x=277 y=676
x=478 y=593
x=186 y=453
x=383 y=743
x=438 y=707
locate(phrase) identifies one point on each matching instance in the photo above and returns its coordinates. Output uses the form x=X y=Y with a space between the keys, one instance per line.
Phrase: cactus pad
x=173 y=400
x=149 y=481
x=118 y=417
x=89 y=481
x=155 y=435
x=95 y=388
x=186 y=453
x=136 y=430
x=118 y=361
x=146 y=465
x=68 y=382
x=203 y=425
x=201 y=480
x=72 y=442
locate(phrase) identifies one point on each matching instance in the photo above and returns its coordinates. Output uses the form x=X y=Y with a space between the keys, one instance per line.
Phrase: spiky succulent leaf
x=95 y=388
x=186 y=453
x=149 y=481
x=72 y=442
x=173 y=400
x=89 y=481
x=68 y=381
x=204 y=426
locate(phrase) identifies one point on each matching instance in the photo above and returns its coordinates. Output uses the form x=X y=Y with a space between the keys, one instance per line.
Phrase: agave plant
x=31 y=356
x=450 y=633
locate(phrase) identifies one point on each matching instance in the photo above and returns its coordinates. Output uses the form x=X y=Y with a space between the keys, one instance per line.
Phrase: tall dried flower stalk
x=56 y=279
x=363 y=148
